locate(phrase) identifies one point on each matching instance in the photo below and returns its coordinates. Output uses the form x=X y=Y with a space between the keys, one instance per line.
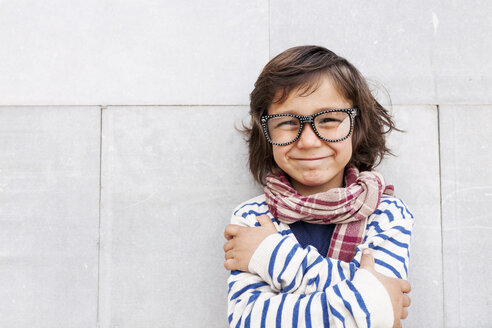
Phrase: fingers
x=404 y=313
x=231 y=230
x=367 y=260
x=405 y=286
x=228 y=245
x=264 y=220
x=229 y=255
x=230 y=264
x=406 y=301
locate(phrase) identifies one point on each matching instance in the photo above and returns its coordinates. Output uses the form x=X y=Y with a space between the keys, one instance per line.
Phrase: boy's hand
x=397 y=288
x=242 y=242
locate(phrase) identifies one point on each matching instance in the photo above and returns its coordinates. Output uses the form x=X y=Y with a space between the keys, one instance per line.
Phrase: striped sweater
x=291 y=286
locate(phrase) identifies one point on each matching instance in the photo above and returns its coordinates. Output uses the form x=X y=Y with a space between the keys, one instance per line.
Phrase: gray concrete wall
x=116 y=184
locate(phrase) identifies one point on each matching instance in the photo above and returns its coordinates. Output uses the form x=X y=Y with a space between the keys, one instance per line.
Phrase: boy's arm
x=249 y=215
x=366 y=301
x=287 y=267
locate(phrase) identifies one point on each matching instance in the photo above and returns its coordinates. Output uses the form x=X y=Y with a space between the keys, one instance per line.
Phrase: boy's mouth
x=311 y=158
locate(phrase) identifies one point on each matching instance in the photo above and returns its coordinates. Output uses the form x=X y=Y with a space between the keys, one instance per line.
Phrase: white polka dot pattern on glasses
x=330 y=125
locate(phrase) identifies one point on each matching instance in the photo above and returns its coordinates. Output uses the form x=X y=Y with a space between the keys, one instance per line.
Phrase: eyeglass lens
x=330 y=125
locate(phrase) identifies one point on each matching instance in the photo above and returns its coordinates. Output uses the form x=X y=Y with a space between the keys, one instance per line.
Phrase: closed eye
x=287 y=123
x=328 y=119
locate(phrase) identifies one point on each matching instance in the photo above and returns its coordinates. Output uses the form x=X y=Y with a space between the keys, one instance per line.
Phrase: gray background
x=116 y=181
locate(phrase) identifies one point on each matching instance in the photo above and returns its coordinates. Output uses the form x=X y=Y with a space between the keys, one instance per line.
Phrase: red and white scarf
x=347 y=207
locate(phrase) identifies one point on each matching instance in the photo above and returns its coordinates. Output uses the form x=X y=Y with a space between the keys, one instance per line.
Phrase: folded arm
x=287 y=267
x=361 y=302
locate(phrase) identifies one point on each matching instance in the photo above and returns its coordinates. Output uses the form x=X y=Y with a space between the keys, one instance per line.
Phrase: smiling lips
x=311 y=159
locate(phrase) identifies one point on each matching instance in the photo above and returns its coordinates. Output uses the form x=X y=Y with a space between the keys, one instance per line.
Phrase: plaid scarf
x=347 y=207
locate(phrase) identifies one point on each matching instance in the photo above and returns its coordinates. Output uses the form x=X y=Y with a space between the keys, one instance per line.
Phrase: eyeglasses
x=330 y=125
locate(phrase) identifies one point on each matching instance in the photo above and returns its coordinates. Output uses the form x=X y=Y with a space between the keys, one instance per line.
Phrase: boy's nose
x=308 y=137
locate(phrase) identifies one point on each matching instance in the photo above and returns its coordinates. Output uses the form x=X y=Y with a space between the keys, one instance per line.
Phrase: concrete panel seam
x=440 y=213
x=99 y=227
x=105 y=106
x=176 y=105
x=269 y=33
x=216 y=105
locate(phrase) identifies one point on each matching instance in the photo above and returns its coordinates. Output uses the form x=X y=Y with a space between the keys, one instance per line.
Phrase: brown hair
x=302 y=67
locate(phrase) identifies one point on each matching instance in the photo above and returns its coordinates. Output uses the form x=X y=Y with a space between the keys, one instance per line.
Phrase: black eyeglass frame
x=309 y=119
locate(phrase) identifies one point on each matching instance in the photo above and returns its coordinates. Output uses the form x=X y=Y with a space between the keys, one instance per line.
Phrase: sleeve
x=294 y=287
x=362 y=302
x=288 y=268
x=279 y=257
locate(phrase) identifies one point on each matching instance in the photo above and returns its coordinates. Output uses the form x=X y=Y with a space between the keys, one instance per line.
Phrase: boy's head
x=300 y=69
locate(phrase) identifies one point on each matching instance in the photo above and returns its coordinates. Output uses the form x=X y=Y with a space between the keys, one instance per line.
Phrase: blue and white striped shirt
x=291 y=286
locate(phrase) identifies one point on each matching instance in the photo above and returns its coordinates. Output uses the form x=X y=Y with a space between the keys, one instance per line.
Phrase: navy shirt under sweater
x=317 y=235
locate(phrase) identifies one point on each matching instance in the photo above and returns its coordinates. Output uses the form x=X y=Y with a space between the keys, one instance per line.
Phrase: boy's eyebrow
x=320 y=109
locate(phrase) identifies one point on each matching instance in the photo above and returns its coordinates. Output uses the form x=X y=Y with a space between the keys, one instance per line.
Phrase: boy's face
x=314 y=165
